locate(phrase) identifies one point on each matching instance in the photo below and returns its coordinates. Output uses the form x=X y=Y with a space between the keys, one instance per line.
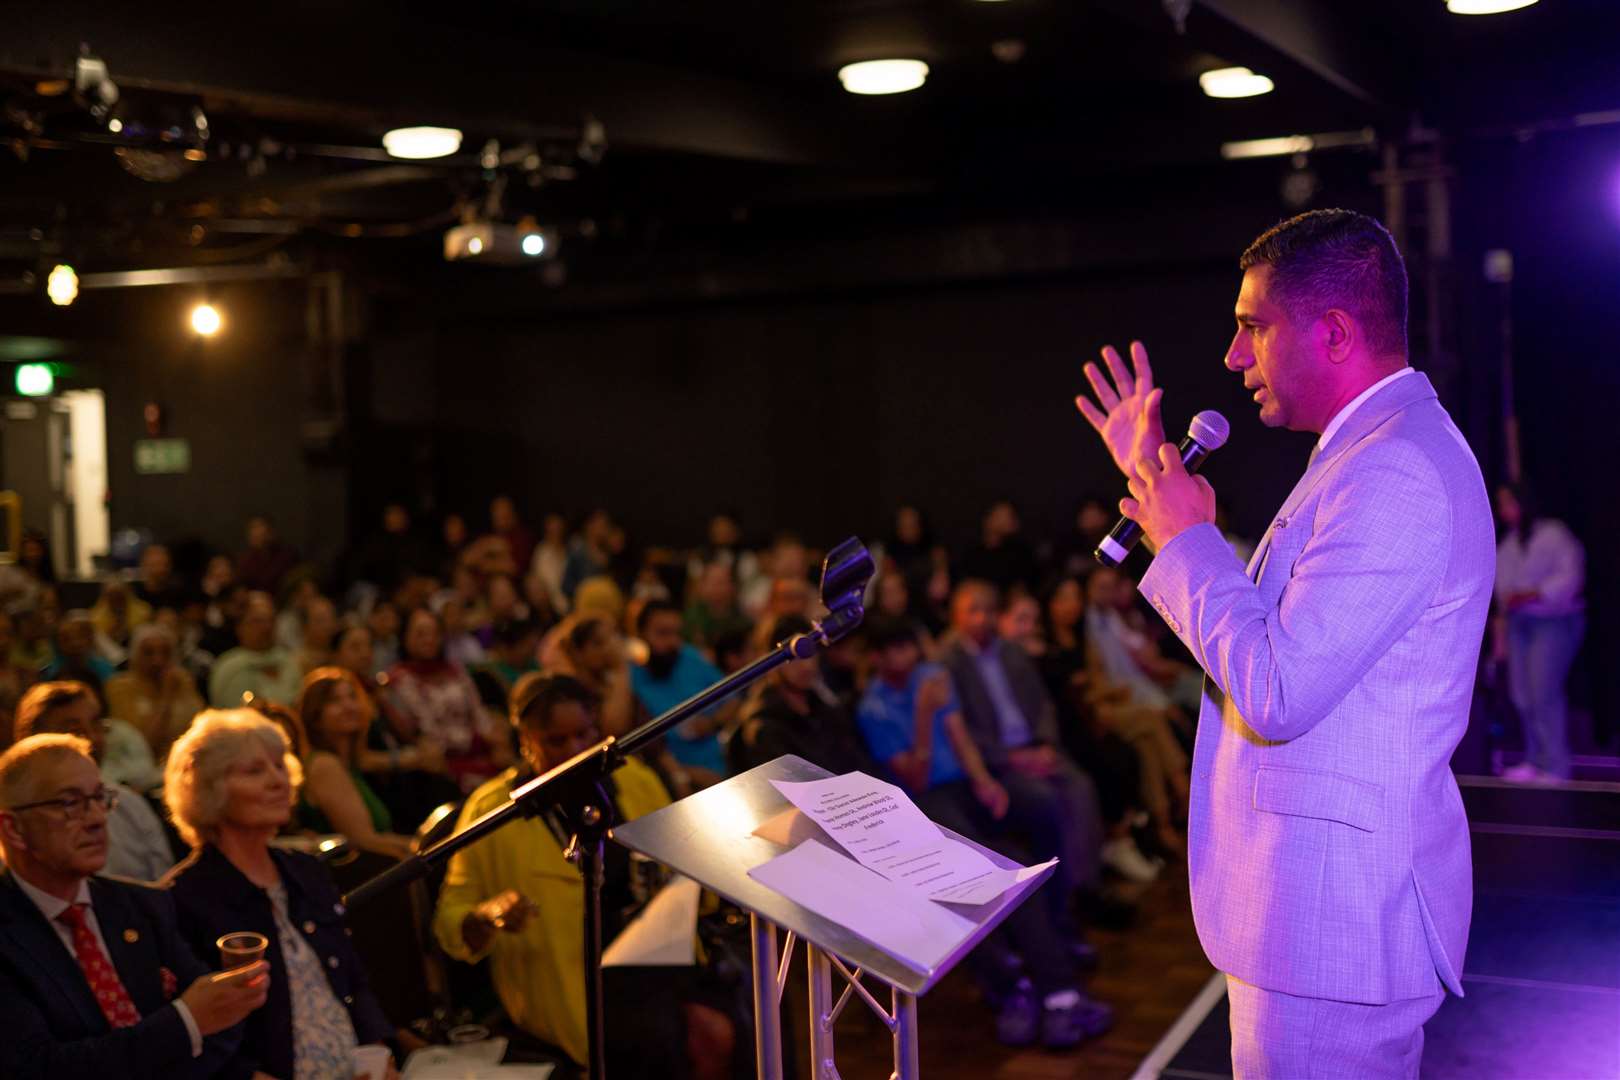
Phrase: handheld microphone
x=1206 y=434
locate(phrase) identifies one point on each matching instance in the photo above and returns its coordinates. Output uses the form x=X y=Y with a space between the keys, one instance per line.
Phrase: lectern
x=709 y=838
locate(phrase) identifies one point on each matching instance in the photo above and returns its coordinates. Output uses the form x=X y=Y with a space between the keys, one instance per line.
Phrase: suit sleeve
x=1376 y=556
x=218 y=1057
x=158 y=1046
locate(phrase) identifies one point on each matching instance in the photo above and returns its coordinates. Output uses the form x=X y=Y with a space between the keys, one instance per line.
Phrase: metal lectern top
x=709 y=838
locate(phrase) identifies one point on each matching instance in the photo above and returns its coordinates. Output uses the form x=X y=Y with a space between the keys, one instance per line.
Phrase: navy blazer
x=53 y=1027
x=214 y=898
x=979 y=712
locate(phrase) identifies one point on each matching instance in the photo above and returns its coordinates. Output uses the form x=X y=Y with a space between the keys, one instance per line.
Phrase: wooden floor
x=1149 y=973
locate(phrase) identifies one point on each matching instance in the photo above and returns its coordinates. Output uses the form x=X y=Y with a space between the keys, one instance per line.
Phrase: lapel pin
x=132 y=936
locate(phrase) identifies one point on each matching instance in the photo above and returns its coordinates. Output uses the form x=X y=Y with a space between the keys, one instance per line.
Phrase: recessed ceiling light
x=1485 y=7
x=883 y=76
x=1234 y=82
x=422 y=142
x=62 y=286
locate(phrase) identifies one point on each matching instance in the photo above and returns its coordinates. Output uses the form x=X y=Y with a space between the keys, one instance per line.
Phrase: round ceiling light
x=63 y=285
x=418 y=143
x=205 y=320
x=883 y=76
x=1485 y=7
x=1234 y=82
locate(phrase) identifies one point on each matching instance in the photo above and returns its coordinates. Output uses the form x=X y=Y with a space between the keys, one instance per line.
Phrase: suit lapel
x=33 y=938
x=127 y=945
x=1372 y=414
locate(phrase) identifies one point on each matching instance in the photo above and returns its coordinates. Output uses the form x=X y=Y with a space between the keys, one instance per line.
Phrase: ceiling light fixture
x=63 y=285
x=1234 y=82
x=1286 y=145
x=1485 y=7
x=420 y=143
x=205 y=320
x=883 y=76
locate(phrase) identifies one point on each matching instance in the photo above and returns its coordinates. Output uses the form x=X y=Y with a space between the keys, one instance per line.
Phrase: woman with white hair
x=155 y=696
x=230 y=785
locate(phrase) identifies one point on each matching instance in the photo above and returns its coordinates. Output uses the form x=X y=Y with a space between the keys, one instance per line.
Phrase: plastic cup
x=371 y=1062
x=463 y=1034
x=241 y=949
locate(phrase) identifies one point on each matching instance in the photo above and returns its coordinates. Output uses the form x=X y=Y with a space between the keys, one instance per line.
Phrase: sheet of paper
x=878 y=824
x=663 y=934
x=893 y=917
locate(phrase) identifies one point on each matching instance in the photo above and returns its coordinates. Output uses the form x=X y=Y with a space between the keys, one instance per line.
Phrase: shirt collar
x=52 y=906
x=1356 y=402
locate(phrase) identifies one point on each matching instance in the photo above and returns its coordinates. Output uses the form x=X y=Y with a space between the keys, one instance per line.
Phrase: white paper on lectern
x=883 y=829
x=663 y=934
x=896 y=919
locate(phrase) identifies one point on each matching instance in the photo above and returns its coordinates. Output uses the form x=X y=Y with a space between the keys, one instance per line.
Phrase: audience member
x=229 y=785
x=257 y=665
x=390 y=555
x=1072 y=554
x=95 y=979
x=297 y=590
x=116 y=615
x=550 y=561
x=318 y=635
x=1014 y=724
x=157 y=585
x=1125 y=655
x=34 y=557
x=220 y=617
x=266 y=560
x=894 y=602
x=591 y=649
x=673 y=672
x=713 y=610
x=1002 y=557
x=792 y=713
x=506 y=523
x=1540 y=622
x=75 y=656
x=590 y=555
x=34 y=646
x=513 y=649
x=14 y=678
x=514 y=898
x=434 y=698
x=155 y=696
x=912 y=724
x=382 y=621
x=137 y=845
x=336 y=797
x=461 y=646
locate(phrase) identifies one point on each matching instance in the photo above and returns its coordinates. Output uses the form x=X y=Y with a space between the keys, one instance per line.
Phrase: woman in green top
x=336 y=798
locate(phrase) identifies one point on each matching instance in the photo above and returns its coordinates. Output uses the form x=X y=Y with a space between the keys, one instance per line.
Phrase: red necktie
x=104 y=982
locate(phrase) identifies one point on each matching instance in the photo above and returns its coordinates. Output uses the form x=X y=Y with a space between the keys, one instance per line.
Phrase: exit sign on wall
x=153 y=456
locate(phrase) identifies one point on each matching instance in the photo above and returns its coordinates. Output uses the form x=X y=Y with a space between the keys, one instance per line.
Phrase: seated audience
x=158 y=586
x=461 y=645
x=1123 y=652
x=95 y=979
x=318 y=634
x=1014 y=724
x=257 y=665
x=912 y=724
x=297 y=591
x=713 y=611
x=382 y=621
x=894 y=602
x=436 y=699
x=512 y=897
x=506 y=523
x=36 y=628
x=138 y=846
x=673 y=672
x=156 y=696
x=514 y=645
x=336 y=797
x=265 y=561
x=792 y=713
x=75 y=657
x=116 y=616
x=14 y=678
x=590 y=555
x=1002 y=557
x=230 y=784
x=591 y=649
x=550 y=559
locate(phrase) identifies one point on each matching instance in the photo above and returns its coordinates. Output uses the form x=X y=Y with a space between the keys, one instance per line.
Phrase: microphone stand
x=575 y=786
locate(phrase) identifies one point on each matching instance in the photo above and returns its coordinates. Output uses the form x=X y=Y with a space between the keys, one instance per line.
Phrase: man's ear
x=11 y=830
x=1338 y=332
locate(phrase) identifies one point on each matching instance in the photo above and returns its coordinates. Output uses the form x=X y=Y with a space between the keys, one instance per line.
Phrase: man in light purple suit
x=1327 y=846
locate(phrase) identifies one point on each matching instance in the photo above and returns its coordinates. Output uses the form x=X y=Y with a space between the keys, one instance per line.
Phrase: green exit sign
x=158 y=456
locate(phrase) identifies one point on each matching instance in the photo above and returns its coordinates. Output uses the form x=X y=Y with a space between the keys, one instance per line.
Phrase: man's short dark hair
x=652 y=608
x=34 y=709
x=886 y=630
x=536 y=694
x=1327 y=259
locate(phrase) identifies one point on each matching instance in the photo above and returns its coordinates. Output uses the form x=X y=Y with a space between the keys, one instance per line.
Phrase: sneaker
x=1072 y=1019
x=1018 y=1019
x=1522 y=773
x=1123 y=857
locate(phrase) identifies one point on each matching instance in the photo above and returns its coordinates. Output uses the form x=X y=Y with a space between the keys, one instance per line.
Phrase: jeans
x=1541 y=650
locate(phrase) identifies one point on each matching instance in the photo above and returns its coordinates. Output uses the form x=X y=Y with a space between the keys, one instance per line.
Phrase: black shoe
x=1070 y=1025
x=1018 y=1018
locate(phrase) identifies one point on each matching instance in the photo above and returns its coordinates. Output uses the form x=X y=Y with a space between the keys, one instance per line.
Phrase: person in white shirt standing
x=1540 y=622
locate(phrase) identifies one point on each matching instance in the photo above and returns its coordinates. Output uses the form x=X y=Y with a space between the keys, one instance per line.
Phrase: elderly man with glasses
x=95 y=979
x=138 y=846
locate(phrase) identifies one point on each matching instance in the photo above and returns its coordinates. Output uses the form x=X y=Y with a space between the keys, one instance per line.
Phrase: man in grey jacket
x=1328 y=850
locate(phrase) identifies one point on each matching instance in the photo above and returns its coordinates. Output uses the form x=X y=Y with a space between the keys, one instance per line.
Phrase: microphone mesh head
x=1209 y=429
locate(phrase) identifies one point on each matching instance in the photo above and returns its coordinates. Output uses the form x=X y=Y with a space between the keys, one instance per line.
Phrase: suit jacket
x=1327 y=846
x=53 y=1027
x=979 y=712
x=214 y=898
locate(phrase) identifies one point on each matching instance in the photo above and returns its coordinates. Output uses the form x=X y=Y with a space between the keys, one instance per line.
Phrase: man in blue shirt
x=912 y=724
x=674 y=671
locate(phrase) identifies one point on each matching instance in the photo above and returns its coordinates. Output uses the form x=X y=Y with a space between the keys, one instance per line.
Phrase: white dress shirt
x=52 y=907
x=1357 y=402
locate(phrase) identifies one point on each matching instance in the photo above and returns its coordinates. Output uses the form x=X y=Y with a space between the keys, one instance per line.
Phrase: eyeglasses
x=73 y=807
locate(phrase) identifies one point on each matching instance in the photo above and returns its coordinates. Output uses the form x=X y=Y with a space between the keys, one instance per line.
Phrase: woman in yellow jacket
x=514 y=898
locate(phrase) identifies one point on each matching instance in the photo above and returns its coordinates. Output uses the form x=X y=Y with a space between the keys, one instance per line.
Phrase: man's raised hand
x=1126 y=412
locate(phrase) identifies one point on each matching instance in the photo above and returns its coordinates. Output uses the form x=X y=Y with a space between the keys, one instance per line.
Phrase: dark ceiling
x=707 y=109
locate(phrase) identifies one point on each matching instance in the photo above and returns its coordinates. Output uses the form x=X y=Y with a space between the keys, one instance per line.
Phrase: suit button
x=332 y=962
x=309 y=926
x=338 y=908
x=348 y=999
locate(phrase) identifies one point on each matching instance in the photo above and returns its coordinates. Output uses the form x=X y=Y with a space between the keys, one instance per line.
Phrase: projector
x=503 y=245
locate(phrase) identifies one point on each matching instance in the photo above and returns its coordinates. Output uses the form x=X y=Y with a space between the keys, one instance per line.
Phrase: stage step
x=1572 y=805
